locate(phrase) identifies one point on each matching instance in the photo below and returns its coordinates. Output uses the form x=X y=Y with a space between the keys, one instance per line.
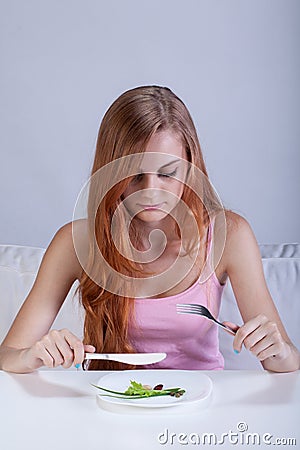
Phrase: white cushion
x=18 y=268
x=281 y=265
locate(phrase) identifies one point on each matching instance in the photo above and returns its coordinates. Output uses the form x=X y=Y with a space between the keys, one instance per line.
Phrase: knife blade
x=128 y=358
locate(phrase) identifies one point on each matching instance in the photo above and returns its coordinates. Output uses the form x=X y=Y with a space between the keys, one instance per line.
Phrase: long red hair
x=126 y=129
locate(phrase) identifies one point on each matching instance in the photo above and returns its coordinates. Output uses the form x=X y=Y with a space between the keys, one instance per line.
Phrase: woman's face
x=155 y=191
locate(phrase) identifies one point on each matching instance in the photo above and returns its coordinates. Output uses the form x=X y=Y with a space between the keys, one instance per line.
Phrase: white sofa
x=19 y=265
x=18 y=269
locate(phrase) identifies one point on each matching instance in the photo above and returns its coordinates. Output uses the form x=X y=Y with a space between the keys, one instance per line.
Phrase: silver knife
x=128 y=358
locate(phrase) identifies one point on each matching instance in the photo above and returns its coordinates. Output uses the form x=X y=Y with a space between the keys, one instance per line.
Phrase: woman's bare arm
x=263 y=332
x=29 y=344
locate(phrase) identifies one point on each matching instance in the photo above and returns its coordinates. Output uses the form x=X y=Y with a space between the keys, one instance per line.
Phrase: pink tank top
x=190 y=341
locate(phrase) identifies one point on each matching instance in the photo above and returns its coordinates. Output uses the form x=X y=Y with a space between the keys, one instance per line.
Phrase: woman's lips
x=151 y=207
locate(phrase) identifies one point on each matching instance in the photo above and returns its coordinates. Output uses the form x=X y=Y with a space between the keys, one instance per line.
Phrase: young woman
x=156 y=234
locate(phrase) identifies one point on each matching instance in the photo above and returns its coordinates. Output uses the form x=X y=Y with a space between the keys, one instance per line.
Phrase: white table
x=54 y=410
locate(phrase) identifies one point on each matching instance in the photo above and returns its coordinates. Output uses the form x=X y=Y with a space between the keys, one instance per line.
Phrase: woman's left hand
x=262 y=338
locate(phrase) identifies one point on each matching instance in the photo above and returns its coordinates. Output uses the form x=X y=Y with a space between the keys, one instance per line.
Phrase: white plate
x=198 y=387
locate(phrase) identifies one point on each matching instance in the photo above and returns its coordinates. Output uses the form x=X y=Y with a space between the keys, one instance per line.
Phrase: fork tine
x=189 y=307
x=187 y=304
x=189 y=312
x=202 y=310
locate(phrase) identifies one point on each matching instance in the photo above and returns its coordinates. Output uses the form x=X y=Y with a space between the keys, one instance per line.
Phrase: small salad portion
x=139 y=390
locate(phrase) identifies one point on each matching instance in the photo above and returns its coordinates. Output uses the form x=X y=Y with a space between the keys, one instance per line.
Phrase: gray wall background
x=235 y=63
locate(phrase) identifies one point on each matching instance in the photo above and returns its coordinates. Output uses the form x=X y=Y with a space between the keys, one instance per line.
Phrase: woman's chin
x=153 y=215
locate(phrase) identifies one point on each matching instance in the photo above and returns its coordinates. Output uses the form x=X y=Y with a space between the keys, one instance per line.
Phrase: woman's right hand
x=56 y=348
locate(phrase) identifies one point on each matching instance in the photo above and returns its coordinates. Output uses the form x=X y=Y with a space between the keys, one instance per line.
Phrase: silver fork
x=190 y=308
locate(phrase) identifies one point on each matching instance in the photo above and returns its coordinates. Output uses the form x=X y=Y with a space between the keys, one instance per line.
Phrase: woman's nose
x=149 y=189
x=150 y=180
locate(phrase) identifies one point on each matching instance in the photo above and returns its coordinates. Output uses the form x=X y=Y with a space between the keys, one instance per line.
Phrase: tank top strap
x=210 y=240
x=208 y=265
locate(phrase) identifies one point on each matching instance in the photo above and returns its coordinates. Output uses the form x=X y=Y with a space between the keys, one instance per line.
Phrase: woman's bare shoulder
x=235 y=223
x=231 y=223
x=68 y=242
x=240 y=240
x=234 y=240
x=238 y=228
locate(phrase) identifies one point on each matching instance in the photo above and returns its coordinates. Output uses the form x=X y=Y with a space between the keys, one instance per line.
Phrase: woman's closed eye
x=137 y=178
x=168 y=175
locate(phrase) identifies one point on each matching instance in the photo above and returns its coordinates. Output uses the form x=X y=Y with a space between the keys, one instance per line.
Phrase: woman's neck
x=157 y=235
